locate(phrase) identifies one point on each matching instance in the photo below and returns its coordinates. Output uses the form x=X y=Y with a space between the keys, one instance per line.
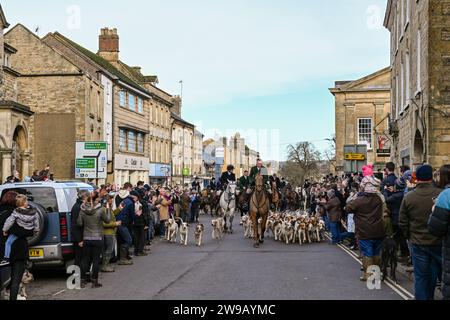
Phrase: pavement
x=230 y=269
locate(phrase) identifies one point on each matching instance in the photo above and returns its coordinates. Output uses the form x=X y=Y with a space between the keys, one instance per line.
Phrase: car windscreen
x=46 y=197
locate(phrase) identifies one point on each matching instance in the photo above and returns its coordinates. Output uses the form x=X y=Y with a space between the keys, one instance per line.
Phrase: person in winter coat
x=126 y=217
x=140 y=223
x=92 y=216
x=333 y=207
x=368 y=215
x=394 y=197
x=164 y=209
x=185 y=202
x=426 y=248
x=7 y=207
x=439 y=225
x=22 y=223
x=109 y=234
x=76 y=230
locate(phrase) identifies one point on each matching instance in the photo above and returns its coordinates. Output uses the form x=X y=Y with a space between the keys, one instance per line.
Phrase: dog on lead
x=199 y=229
x=172 y=230
x=184 y=232
x=218 y=228
x=389 y=258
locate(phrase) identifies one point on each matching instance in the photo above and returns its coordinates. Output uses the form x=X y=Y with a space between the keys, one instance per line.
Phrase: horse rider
x=227 y=176
x=259 y=169
x=275 y=179
x=244 y=181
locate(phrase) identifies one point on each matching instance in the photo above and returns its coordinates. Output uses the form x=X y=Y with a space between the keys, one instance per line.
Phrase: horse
x=259 y=209
x=276 y=196
x=205 y=202
x=292 y=199
x=227 y=205
x=243 y=204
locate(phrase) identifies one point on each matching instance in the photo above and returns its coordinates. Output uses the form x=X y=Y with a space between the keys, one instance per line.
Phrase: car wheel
x=42 y=217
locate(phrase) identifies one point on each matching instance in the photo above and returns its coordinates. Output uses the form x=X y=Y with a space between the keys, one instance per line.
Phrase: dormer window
x=7 y=60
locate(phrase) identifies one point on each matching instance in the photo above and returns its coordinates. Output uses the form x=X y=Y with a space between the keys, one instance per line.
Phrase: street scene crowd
x=389 y=218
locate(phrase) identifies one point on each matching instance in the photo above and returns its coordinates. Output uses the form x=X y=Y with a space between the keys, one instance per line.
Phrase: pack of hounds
x=287 y=227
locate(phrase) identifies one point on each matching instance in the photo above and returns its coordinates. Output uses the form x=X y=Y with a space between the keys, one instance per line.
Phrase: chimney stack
x=177 y=104
x=109 y=45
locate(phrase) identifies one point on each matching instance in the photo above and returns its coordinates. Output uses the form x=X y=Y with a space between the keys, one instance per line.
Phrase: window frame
x=360 y=141
x=131 y=102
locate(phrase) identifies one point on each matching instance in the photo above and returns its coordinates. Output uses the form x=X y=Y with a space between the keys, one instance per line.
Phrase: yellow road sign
x=355 y=156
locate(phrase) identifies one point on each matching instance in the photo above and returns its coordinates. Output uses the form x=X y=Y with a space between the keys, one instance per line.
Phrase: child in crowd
x=23 y=223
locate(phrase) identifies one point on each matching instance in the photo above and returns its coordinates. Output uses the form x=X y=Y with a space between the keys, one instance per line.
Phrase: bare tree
x=293 y=173
x=330 y=153
x=305 y=156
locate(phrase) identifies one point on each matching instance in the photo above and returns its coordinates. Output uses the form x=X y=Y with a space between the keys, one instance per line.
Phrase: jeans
x=150 y=231
x=9 y=244
x=92 y=250
x=370 y=248
x=17 y=270
x=427 y=261
x=139 y=235
x=327 y=222
x=162 y=228
x=125 y=237
x=335 y=233
x=109 y=242
x=194 y=215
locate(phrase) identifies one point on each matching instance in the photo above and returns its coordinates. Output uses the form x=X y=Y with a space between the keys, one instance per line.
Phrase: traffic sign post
x=91 y=160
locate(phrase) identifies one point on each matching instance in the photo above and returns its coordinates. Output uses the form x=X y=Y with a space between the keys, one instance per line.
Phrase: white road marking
x=59 y=292
x=402 y=292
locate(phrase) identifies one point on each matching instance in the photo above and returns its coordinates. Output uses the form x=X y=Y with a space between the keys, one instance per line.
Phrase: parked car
x=52 y=246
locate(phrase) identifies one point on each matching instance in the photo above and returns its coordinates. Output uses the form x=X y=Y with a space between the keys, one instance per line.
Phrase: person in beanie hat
x=368 y=209
x=426 y=248
x=369 y=183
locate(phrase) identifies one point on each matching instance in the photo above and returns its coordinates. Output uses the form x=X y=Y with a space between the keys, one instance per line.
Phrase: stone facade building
x=14 y=116
x=362 y=110
x=182 y=150
x=420 y=68
x=66 y=102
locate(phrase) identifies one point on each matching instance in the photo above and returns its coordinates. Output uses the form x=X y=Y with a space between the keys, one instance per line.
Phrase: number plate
x=36 y=253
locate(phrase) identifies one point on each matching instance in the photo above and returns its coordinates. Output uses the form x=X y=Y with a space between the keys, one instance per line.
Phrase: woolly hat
x=367 y=170
x=424 y=173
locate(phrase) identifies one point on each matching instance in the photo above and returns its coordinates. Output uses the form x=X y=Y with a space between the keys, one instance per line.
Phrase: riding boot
x=367 y=262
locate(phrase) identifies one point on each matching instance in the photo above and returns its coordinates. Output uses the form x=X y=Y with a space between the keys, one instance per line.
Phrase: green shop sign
x=186 y=172
x=85 y=163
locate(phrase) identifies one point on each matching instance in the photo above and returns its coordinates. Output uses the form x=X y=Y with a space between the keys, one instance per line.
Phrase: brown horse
x=276 y=197
x=259 y=208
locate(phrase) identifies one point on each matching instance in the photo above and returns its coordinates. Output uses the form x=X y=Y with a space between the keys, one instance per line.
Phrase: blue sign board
x=159 y=170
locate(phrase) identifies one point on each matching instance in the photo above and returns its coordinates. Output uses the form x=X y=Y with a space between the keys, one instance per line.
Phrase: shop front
x=128 y=168
x=159 y=173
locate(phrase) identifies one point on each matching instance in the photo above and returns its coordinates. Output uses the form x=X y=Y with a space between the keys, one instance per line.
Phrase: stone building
x=420 y=68
x=66 y=102
x=14 y=116
x=198 y=167
x=126 y=112
x=182 y=150
x=362 y=111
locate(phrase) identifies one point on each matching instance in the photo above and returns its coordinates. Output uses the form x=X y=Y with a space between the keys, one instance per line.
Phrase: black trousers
x=17 y=270
x=92 y=250
x=78 y=253
x=401 y=241
x=139 y=236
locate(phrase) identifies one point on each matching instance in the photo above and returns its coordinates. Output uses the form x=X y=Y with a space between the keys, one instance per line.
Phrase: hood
x=26 y=211
x=89 y=210
x=425 y=189
x=123 y=194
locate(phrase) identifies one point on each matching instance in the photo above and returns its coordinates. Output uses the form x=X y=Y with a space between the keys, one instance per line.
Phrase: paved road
x=227 y=269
